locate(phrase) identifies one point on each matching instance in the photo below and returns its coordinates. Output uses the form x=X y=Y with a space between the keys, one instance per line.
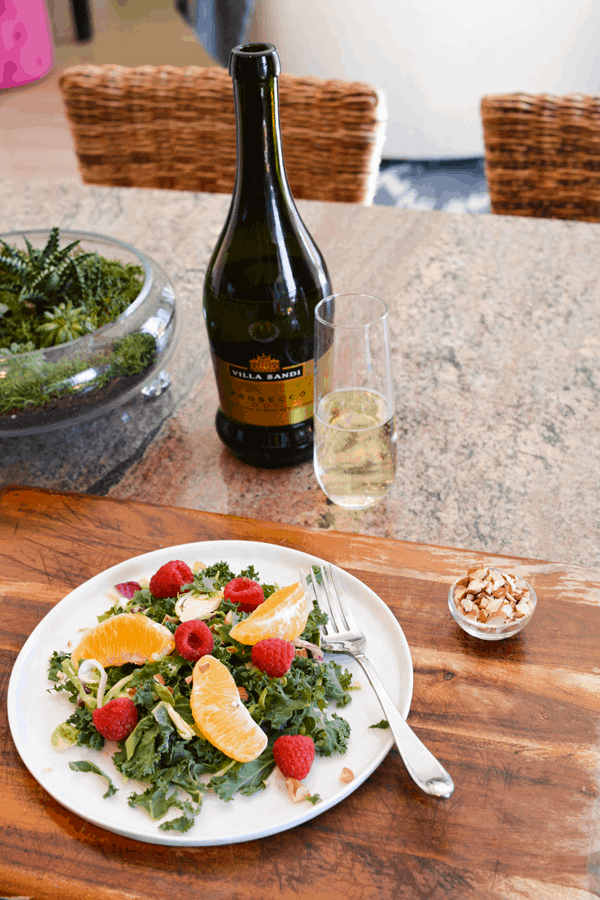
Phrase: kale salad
x=166 y=751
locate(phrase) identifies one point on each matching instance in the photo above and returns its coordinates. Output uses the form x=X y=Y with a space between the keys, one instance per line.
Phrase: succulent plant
x=64 y=323
x=41 y=276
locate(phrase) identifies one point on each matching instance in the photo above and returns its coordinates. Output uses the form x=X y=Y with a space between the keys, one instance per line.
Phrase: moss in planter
x=33 y=382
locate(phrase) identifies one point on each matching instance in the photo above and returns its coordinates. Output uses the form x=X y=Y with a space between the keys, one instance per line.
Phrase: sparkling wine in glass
x=354 y=430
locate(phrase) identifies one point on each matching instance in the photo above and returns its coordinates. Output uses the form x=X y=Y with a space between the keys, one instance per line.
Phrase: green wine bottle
x=264 y=279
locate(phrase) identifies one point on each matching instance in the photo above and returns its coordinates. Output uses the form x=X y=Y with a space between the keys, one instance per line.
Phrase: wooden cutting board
x=515 y=723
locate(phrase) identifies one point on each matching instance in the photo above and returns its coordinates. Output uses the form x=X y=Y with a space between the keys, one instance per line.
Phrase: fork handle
x=422 y=766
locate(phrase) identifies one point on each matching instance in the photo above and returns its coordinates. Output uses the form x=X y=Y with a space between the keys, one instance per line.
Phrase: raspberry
x=273 y=656
x=193 y=639
x=116 y=720
x=246 y=593
x=170 y=578
x=294 y=754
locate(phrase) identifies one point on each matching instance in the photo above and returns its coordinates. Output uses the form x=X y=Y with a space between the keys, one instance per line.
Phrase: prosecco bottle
x=264 y=279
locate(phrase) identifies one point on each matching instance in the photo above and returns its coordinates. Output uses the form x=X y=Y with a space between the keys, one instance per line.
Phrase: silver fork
x=342 y=635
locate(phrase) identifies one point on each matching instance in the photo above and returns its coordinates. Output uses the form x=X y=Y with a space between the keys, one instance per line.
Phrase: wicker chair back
x=542 y=155
x=169 y=127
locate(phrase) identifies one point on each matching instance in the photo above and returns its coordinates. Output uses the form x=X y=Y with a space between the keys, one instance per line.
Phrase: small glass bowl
x=489 y=632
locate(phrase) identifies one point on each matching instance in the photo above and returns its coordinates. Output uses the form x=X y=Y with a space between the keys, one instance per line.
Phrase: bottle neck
x=260 y=172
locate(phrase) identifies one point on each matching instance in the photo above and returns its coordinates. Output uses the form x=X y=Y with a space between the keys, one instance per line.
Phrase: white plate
x=33 y=713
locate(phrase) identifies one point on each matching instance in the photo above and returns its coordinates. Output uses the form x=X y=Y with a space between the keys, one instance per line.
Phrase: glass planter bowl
x=79 y=377
x=490 y=632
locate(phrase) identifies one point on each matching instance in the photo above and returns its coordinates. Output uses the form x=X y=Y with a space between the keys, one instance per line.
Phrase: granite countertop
x=496 y=352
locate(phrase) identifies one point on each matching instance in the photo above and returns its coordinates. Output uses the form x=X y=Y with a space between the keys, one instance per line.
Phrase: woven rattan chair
x=542 y=155
x=169 y=127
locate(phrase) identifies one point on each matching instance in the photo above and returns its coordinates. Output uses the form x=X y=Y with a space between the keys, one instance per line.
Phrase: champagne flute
x=354 y=428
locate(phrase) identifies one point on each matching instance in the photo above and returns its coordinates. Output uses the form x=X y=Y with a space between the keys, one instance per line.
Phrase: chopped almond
x=476 y=586
x=296 y=790
x=492 y=597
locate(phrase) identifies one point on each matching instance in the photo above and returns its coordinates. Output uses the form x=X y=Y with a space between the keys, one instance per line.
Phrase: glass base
x=267 y=448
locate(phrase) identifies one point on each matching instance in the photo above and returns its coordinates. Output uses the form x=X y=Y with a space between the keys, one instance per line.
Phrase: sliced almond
x=346 y=775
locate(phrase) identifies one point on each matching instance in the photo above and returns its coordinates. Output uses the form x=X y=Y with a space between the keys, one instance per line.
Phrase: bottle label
x=265 y=393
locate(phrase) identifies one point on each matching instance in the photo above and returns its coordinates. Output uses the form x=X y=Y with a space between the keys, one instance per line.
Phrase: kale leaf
x=83 y=765
x=87 y=736
x=247 y=778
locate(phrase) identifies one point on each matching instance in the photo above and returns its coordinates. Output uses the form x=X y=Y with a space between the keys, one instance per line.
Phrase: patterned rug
x=452 y=185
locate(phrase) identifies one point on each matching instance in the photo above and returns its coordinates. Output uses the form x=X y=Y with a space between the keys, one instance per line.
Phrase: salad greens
x=165 y=750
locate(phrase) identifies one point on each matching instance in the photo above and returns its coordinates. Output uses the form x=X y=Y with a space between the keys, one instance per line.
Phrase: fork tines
x=330 y=598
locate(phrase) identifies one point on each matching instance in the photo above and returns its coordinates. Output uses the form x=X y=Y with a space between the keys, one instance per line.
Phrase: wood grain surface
x=515 y=722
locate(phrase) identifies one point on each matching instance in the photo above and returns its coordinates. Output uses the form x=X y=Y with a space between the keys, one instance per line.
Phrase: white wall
x=435 y=59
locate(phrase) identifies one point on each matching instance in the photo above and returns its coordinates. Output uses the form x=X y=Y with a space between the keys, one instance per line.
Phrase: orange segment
x=282 y=615
x=128 y=637
x=220 y=714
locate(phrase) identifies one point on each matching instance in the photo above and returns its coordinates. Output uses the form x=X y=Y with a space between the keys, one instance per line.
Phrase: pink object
x=26 y=51
x=128 y=588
